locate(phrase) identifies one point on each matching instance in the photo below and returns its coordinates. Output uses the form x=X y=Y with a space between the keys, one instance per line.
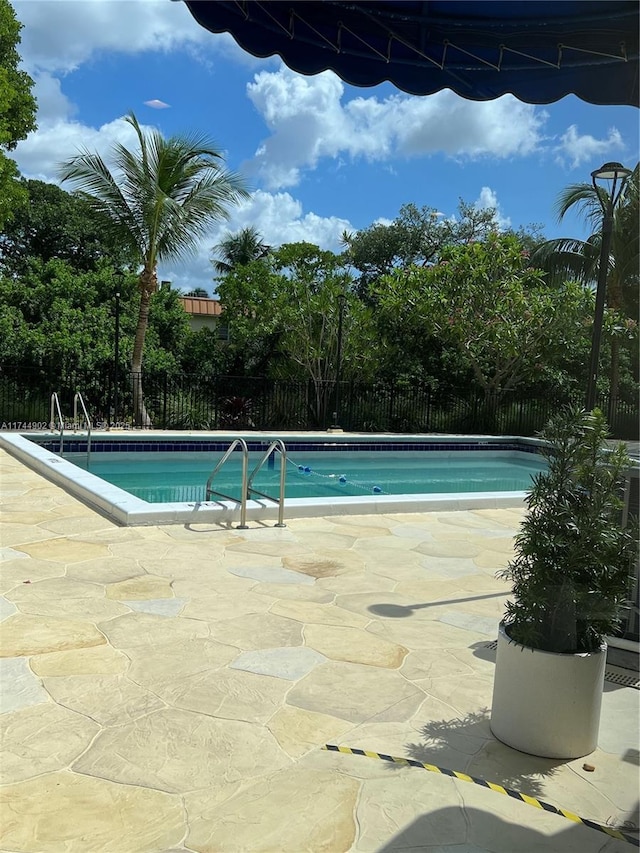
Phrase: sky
x=319 y=157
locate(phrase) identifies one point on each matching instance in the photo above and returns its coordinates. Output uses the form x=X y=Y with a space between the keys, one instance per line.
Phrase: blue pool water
x=168 y=477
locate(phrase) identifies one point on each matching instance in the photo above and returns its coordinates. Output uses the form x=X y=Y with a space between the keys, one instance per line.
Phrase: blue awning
x=538 y=50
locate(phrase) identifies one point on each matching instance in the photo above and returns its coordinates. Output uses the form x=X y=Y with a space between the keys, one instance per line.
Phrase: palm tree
x=160 y=200
x=239 y=249
x=566 y=257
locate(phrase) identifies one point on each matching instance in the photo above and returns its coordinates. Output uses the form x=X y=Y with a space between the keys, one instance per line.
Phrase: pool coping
x=127 y=510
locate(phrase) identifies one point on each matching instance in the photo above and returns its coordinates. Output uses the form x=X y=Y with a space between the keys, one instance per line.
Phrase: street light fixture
x=617 y=174
x=118 y=278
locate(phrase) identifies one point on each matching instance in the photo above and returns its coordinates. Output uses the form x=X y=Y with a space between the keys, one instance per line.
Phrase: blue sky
x=320 y=157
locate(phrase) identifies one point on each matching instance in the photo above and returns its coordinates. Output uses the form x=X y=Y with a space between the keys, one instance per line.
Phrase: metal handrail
x=55 y=407
x=245 y=466
x=78 y=398
x=278 y=444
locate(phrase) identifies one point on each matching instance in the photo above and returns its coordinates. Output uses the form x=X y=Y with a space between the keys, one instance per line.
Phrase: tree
x=198 y=293
x=579 y=260
x=416 y=236
x=239 y=249
x=61 y=322
x=160 y=200
x=484 y=302
x=58 y=224
x=283 y=311
x=17 y=110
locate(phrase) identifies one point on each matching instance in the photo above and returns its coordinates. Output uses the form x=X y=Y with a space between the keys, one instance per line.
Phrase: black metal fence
x=228 y=402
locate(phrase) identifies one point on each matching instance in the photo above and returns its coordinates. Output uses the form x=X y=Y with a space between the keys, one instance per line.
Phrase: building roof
x=198 y=306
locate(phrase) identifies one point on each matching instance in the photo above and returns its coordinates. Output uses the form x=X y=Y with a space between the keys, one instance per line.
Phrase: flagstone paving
x=169 y=689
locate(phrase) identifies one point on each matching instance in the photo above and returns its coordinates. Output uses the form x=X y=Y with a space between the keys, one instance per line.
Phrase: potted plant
x=570 y=578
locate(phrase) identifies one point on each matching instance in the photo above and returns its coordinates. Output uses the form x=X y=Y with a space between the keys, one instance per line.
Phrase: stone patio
x=169 y=689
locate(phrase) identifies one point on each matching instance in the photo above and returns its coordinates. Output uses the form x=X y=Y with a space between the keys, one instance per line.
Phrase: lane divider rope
x=493 y=786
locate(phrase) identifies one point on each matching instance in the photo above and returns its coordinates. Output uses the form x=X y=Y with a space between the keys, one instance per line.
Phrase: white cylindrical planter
x=544 y=703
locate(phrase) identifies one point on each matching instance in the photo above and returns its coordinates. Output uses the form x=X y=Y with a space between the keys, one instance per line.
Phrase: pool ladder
x=247 y=479
x=57 y=421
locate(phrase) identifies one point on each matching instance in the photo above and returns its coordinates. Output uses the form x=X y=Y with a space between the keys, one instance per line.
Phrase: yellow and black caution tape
x=493 y=786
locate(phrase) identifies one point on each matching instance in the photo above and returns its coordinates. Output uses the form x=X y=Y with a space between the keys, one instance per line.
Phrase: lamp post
x=341 y=303
x=617 y=174
x=118 y=278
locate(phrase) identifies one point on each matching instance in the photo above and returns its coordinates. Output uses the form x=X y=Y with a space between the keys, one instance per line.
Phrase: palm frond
x=164 y=194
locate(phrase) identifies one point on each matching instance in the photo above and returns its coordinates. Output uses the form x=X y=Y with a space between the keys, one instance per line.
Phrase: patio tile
x=355 y=693
x=19 y=687
x=159 y=606
x=104 y=570
x=288 y=663
x=299 y=731
x=140 y=588
x=31 y=635
x=322 y=540
x=61 y=587
x=65 y=550
x=229 y=694
x=282 y=548
x=107 y=699
x=422 y=634
x=388 y=806
x=470 y=622
x=89 y=609
x=23 y=569
x=261 y=818
x=147 y=630
x=42 y=739
x=268 y=574
x=11 y=554
x=113 y=816
x=172 y=659
x=354 y=645
x=78 y=523
x=7 y=608
x=99 y=660
x=323 y=614
x=260 y=631
x=295 y=592
x=322 y=566
x=422 y=665
x=450 y=548
x=211 y=606
x=174 y=750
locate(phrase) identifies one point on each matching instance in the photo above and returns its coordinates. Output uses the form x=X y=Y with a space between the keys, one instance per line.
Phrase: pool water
x=179 y=476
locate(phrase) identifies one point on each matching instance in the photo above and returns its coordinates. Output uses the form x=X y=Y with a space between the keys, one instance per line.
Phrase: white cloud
x=40 y=154
x=579 y=149
x=156 y=104
x=60 y=35
x=309 y=120
x=52 y=103
x=488 y=200
x=279 y=218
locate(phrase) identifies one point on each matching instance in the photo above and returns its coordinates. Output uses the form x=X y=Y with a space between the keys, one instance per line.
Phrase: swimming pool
x=163 y=477
x=496 y=473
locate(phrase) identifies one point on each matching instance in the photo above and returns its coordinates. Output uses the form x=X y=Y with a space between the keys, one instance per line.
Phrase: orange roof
x=199 y=306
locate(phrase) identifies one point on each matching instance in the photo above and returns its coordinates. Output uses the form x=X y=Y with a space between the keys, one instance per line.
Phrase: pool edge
x=127 y=510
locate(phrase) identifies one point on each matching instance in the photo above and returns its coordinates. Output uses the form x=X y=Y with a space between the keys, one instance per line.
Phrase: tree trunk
x=148 y=284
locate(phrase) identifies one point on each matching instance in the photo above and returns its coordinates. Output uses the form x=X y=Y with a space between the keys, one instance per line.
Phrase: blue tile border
x=184 y=445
